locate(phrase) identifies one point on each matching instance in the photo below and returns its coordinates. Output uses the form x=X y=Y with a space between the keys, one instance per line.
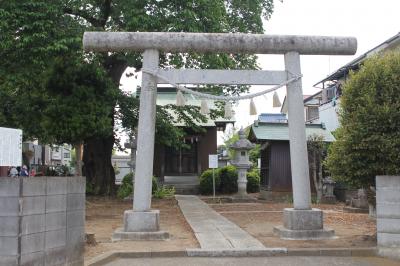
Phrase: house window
x=312 y=113
x=330 y=93
x=66 y=155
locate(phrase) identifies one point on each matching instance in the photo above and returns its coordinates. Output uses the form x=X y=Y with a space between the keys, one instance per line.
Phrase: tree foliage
x=77 y=99
x=368 y=140
x=29 y=39
x=41 y=51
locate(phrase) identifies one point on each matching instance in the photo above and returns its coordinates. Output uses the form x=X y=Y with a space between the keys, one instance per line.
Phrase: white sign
x=10 y=147
x=213 y=161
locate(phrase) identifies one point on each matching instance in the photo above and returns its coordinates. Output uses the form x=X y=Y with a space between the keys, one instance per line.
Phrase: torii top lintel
x=219 y=43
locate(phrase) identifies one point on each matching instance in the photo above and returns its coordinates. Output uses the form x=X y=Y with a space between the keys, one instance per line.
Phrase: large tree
x=368 y=139
x=41 y=34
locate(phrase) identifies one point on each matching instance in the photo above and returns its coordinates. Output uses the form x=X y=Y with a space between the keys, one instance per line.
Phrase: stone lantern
x=132 y=144
x=241 y=161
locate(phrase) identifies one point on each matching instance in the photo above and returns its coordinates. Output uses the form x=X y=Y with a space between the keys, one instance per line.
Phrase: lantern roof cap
x=243 y=143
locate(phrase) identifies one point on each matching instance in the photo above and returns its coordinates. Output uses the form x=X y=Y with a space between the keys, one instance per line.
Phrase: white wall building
x=120 y=164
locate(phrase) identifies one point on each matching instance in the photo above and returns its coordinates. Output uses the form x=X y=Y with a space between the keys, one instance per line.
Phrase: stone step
x=186 y=189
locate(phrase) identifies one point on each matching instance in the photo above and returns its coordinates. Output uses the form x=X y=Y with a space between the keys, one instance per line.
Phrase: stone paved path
x=268 y=261
x=212 y=230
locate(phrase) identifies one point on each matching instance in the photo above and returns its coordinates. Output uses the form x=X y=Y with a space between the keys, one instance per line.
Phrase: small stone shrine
x=328 y=186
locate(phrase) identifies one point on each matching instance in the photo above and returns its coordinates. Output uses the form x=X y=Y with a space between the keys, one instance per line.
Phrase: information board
x=213 y=161
x=10 y=147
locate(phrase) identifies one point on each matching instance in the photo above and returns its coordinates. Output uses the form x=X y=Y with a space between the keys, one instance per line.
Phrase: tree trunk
x=78 y=156
x=98 y=151
x=317 y=183
x=98 y=168
x=319 y=177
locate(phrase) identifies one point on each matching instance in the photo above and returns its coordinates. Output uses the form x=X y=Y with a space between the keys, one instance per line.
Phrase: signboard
x=10 y=147
x=213 y=161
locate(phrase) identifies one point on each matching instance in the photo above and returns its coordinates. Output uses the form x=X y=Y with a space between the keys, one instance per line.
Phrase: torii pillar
x=300 y=222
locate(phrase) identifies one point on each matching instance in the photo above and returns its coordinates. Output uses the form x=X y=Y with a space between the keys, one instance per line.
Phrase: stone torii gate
x=300 y=222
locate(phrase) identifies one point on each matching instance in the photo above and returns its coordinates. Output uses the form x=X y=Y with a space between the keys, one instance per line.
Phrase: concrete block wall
x=388 y=211
x=42 y=220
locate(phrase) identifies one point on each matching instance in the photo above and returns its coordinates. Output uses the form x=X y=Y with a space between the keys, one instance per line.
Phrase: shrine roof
x=280 y=131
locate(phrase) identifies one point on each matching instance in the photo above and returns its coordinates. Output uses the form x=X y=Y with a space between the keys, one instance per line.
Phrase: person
x=33 y=172
x=13 y=172
x=24 y=171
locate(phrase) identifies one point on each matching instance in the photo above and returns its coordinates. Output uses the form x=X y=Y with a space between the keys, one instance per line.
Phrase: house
x=173 y=165
x=32 y=153
x=275 y=170
x=57 y=155
x=332 y=85
x=35 y=154
x=323 y=106
x=311 y=105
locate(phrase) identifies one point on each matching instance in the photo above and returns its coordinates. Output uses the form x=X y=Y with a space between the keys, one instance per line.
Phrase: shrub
x=89 y=188
x=253 y=181
x=206 y=182
x=228 y=176
x=154 y=185
x=126 y=188
x=59 y=170
x=164 y=192
x=368 y=139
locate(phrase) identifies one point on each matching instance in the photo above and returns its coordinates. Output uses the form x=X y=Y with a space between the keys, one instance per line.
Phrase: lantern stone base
x=304 y=225
x=140 y=225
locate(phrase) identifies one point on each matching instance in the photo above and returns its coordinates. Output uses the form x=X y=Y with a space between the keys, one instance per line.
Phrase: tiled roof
x=280 y=131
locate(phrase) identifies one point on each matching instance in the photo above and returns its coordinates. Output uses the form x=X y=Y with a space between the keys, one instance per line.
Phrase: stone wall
x=42 y=220
x=388 y=215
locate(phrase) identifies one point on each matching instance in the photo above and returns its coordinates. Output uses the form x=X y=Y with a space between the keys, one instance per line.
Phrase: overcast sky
x=370 y=21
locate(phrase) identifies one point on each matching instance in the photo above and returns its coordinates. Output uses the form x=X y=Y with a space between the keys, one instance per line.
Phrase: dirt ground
x=259 y=219
x=104 y=215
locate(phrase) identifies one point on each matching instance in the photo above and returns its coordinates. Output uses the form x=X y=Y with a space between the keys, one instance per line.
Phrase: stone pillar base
x=391 y=253
x=303 y=224
x=121 y=235
x=140 y=226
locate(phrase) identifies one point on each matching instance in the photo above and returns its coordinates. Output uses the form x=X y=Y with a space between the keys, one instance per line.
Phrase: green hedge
x=253 y=181
x=206 y=182
x=226 y=181
x=228 y=176
x=126 y=188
